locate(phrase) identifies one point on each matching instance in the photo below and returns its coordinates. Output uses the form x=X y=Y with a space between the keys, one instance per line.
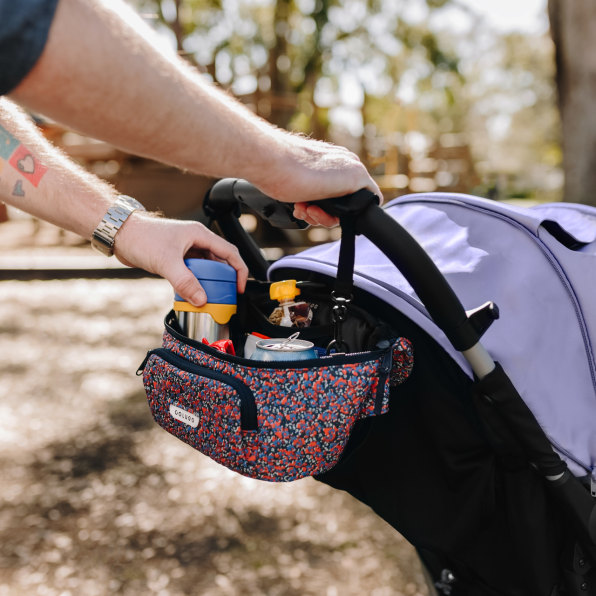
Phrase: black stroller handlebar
x=371 y=220
x=463 y=330
x=229 y=192
x=422 y=274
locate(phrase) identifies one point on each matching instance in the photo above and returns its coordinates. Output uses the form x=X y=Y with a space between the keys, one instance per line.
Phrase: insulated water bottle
x=209 y=321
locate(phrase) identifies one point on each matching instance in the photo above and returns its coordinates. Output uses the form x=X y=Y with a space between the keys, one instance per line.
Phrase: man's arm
x=37 y=178
x=104 y=73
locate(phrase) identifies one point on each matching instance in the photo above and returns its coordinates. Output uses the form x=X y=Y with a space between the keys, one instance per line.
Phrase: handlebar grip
x=352 y=203
x=388 y=235
x=228 y=192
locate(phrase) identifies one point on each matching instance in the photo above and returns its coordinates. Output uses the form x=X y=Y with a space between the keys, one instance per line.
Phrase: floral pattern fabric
x=304 y=413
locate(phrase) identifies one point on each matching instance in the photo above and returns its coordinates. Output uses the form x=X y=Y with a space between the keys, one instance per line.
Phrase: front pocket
x=202 y=379
x=305 y=415
x=304 y=411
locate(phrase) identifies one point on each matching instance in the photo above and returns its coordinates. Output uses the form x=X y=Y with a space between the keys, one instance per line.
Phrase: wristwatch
x=105 y=233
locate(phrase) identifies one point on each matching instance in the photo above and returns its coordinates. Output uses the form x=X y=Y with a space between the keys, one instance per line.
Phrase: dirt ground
x=95 y=499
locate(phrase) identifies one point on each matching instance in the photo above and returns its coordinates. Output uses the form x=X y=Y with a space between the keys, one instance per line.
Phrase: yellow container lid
x=284 y=290
x=221 y=313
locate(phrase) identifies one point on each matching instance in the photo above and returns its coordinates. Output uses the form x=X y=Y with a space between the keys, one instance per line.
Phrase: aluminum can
x=284 y=349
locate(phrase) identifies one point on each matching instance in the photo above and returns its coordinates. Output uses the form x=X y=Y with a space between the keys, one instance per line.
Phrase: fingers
x=209 y=244
x=224 y=251
x=374 y=188
x=314 y=215
x=185 y=284
x=160 y=246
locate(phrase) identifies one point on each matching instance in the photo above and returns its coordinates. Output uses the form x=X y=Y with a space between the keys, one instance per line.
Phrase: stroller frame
x=517 y=444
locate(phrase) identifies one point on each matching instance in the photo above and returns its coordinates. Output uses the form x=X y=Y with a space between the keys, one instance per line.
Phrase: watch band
x=104 y=235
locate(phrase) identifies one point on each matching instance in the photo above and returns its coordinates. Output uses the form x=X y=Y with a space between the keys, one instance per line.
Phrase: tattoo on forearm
x=18 y=191
x=22 y=160
x=8 y=143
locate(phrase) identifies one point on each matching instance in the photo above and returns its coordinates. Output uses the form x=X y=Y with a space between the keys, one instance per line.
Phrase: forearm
x=103 y=75
x=107 y=76
x=37 y=178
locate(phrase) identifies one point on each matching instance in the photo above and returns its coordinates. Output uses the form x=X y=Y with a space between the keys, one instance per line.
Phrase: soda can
x=284 y=349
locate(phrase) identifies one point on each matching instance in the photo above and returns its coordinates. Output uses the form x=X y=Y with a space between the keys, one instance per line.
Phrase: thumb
x=186 y=285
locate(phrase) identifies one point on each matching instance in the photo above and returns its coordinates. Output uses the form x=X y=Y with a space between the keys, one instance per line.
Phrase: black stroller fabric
x=460 y=467
x=428 y=468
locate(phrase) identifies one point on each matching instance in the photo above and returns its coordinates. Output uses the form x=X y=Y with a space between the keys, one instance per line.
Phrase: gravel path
x=95 y=499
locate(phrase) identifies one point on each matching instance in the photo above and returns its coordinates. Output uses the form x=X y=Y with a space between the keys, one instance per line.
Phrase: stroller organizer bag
x=485 y=459
x=275 y=420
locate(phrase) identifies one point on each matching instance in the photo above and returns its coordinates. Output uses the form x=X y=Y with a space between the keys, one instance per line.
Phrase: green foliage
x=390 y=66
x=287 y=46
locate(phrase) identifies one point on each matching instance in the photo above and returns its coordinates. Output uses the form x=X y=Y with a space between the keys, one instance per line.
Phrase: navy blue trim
x=384 y=371
x=333 y=360
x=248 y=406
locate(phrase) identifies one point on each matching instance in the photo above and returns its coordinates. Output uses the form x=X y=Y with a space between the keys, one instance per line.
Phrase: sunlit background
x=434 y=95
x=95 y=499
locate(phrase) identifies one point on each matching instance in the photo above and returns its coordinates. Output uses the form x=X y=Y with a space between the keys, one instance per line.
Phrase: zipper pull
x=142 y=365
x=384 y=370
x=387 y=361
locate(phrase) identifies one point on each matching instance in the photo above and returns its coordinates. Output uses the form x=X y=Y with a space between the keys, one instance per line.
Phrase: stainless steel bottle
x=209 y=321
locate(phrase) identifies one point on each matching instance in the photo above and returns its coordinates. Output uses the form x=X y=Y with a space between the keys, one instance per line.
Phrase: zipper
x=329 y=360
x=248 y=406
x=143 y=364
x=384 y=371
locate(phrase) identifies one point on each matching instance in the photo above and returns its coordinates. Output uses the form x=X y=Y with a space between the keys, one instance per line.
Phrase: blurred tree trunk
x=175 y=25
x=319 y=124
x=282 y=106
x=573 y=28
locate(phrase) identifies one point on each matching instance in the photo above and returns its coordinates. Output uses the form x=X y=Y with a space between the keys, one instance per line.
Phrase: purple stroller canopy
x=538 y=265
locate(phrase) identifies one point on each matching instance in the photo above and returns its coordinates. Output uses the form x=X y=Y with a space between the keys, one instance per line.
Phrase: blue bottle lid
x=218 y=280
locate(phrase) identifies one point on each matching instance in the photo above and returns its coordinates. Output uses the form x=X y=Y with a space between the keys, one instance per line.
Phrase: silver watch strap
x=104 y=235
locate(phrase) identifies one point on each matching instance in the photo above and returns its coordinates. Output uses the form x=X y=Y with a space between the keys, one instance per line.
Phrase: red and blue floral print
x=275 y=422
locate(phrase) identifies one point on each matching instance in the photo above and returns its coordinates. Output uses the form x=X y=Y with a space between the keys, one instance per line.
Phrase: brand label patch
x=184 y=416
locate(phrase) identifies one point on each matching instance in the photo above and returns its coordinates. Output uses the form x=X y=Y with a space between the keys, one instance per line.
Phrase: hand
x=159 y=245
x=308 y=170
x=314 y=215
